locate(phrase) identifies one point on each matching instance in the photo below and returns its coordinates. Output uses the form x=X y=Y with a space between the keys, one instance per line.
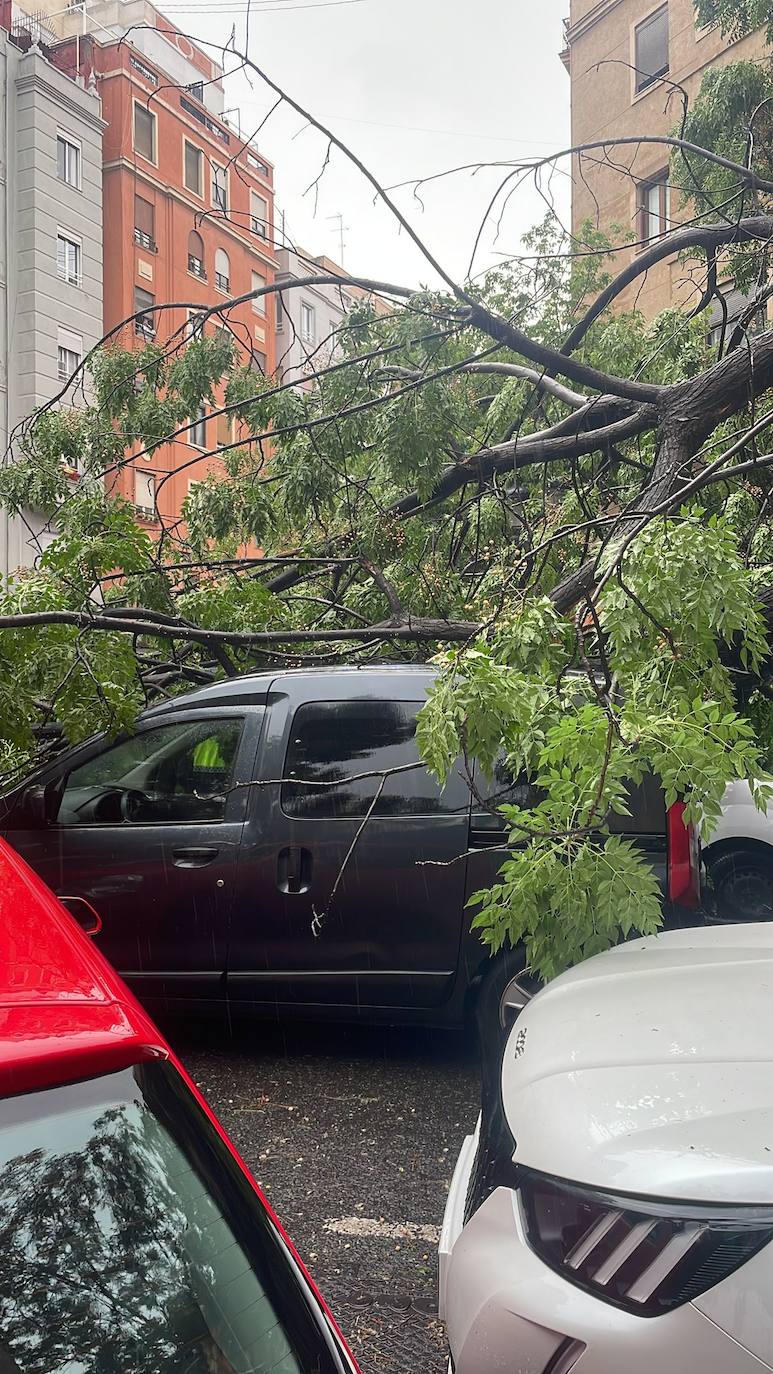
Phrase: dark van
x=238 y=847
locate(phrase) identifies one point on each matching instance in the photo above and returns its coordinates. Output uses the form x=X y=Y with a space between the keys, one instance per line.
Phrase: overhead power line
x=254 y=7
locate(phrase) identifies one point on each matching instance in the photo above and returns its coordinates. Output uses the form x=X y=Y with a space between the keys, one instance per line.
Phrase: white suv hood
x=649 y=1069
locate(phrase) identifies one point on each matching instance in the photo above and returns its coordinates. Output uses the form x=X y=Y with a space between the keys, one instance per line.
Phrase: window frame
x=145 y=327
x=194 y=323
x=222 y=279
x=234 y=802
x=259 y=303
x=215 y=168
x=149 y=512
x=63 y=341
x=308 y=337
x=198 y=426
x=142 y=237
x=71 y=240
x=142 y=105
x=189 y=145
x=198 y=270
x=644 y=214
x=70 y=142
x=642 y=82
x=259 y=223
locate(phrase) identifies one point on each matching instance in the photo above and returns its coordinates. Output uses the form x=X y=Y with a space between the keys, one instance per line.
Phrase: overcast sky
x=414 y=87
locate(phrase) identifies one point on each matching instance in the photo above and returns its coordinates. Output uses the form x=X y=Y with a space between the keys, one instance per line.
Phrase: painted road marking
x=378 y=1229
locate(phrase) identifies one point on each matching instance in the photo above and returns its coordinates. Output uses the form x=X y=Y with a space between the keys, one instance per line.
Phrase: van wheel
x=505 y=989
x=743 y=884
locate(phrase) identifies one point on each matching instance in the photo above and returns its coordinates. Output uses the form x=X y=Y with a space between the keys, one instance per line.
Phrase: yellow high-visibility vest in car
x=207 y=754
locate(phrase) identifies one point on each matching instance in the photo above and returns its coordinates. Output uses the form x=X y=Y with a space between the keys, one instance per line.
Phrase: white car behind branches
x=738 y=854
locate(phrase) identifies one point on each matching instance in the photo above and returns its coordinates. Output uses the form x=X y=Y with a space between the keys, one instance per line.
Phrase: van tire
x=504 y=988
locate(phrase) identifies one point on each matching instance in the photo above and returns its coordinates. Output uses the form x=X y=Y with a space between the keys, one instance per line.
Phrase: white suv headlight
x=638 y=1253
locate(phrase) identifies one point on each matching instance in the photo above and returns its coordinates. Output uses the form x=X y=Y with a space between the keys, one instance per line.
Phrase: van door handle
x=293 y=869
x=194 y=857
x=487 y=836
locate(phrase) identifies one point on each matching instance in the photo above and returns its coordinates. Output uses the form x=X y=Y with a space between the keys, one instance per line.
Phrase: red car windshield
x=131 y=1243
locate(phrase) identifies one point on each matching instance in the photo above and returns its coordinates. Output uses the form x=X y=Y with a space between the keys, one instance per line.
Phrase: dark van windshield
x=130 y=1243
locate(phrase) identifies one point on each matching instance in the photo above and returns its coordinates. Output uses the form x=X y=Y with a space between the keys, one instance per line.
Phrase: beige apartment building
x=621 y=55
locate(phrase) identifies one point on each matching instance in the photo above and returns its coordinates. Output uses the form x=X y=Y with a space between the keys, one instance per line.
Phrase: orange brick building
x=188 y=214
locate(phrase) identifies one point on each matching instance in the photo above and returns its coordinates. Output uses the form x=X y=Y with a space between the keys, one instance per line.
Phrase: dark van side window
x=177 y=773
x=333 y=742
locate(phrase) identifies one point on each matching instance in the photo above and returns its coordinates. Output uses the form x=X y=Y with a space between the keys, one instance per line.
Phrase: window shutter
x=144 y=216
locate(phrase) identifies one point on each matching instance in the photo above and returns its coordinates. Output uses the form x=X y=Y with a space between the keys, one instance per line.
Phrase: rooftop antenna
x=342 y=229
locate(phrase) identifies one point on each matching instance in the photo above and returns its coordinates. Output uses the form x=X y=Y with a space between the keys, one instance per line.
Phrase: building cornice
x=59 y=95
x=164 y=188
x=589 y=21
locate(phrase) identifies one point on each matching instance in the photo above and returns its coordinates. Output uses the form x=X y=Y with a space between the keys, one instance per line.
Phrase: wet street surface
x=353 y=1134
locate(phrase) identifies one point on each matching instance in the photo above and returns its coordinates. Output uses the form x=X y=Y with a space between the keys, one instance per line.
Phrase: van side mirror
x=36 y=807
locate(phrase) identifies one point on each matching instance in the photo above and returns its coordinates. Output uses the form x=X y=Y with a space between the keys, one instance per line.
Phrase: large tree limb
x=692 y=411
x=708 y=236
x=574 y=437
x=557 y=364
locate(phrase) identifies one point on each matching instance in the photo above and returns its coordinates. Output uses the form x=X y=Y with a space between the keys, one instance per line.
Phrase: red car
x=132 y=1238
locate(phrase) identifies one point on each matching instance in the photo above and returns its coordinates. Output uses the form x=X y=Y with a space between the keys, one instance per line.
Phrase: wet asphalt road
x=353 y=1133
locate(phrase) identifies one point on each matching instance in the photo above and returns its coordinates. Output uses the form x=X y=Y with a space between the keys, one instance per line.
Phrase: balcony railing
x=222 y=283
x=196 y=267
x=203 y=118
x=145 y=240
x=144 y=328
x=259 y=227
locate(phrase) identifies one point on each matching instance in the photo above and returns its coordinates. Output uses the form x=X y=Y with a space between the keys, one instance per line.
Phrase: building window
x=257 y=164
x=196 y=89
x=737 y=305
x=68 y=161
x=69 y=354
x=219 y=188
x=280 y=311
x=651 y=48
x=68 y=259
x=145 y=224
x=225 y=430
x=197 y=434
x=144 y=325
x=307 y=323
x=222 y=271
x=193 y=170
x=145 y=493
x=144 y=132
x=259 y=215
x=194 y=328
x=258 y=302
x=196 y=255
x=653 y=208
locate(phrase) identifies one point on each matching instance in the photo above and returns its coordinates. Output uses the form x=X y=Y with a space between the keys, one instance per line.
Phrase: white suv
x=629 y=1224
